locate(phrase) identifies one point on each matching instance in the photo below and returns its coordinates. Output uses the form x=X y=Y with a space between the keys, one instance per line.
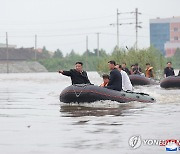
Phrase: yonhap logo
x=171 y=144
x=135 y=142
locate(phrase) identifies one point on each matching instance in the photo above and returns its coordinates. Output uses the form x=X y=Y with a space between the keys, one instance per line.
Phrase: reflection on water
x=98 y=109
x=33 y=121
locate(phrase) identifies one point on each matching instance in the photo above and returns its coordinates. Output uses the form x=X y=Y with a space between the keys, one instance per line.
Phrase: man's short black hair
x=120 y=66
x=79 y=63
x=124 y=63
x=169 y=62
x=136 y=64
x=112 y=62
x=147 y=63
x=105 y=76
x=132 y=65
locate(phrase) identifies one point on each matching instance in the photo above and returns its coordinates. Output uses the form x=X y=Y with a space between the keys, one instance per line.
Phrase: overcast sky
x=64 y=24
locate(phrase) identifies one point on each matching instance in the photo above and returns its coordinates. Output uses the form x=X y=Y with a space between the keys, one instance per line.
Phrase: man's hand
x=60 y=71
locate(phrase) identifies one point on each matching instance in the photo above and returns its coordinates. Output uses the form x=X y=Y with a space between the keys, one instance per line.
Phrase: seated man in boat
x=126 y=83
x=149 y=71
x=137 y=70
x=169 y=71
x=78 y=76
x=131 y=70
x=115 y=79
x=124 y=68
x=105 y=80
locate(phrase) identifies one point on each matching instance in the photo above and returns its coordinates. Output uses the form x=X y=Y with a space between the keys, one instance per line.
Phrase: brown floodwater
x=34 y=121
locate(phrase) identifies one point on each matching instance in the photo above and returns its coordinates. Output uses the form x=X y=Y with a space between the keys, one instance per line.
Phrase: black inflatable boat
x=91 y=93
x=171 y=82
x=141 y=80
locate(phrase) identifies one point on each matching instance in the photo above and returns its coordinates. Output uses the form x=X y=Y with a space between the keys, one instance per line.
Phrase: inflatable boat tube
x=91 y=93
x=171 y=82
x=141 y=80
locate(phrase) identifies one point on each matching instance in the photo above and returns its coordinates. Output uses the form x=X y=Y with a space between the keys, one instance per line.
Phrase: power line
x=58 y=30
x=147 y=14
x=130 y=23
x=57 y=35
x=123 y=35
x=57 y=22
x=67 y=35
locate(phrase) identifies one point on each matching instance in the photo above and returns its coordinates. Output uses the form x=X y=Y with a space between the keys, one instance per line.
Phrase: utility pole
x=118 y=28
x=137 y=26
x=35 y=47
x=98 y=44
x=86 y=52
x=130 y=23
x=7 y=53
x=119 y=24
x=136 y=13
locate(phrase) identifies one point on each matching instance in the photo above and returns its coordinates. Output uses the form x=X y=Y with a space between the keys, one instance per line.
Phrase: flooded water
x=34 y=121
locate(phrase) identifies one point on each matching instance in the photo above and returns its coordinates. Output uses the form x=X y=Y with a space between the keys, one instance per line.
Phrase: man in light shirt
x=126 y=83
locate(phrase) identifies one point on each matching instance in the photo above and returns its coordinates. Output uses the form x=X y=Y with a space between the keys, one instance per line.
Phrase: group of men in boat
x=169 y=71
x=135 y=69
x=111 y=82
x=118 y=78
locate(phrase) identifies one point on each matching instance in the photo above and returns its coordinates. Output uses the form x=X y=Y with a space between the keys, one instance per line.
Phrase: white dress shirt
x=126 y=83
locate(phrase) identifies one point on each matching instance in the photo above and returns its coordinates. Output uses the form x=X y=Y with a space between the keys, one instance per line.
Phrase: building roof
x=19 y=54
x=2 y=45
x=165 y=20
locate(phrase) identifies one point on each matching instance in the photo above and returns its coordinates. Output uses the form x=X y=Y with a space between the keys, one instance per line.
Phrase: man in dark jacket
x=169 y=71
x=78 y=76
x=115 y=80
x=137 y=70
x=124 y=68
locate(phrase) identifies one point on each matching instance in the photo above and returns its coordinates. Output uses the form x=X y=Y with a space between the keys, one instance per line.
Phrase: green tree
x=45 y=53
x=58 y=54
x=102 y=53
x=143 y=56
x=176 y=59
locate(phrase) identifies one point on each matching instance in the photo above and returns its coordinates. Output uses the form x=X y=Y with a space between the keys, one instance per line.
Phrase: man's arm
x=179 y=73
x=85 y=75
x=134 y=70
x=173 y=71
x=128 y=71
x=111 y=78
x=66 y=73
x=140 y=70
x=165 y=72
x=152 y=73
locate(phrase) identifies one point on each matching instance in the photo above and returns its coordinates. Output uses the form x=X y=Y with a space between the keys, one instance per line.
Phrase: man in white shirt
x=126 y=83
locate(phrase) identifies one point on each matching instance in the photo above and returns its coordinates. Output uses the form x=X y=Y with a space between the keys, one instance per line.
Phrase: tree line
x=54 y=62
